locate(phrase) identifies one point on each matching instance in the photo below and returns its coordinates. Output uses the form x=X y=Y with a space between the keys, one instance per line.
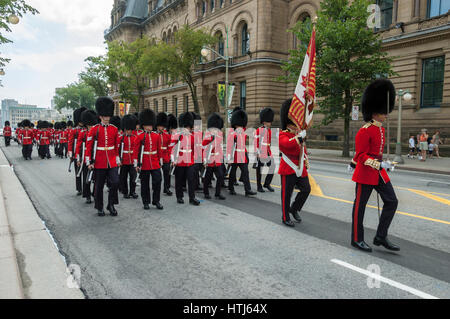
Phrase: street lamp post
x=204 y=53
x=402 y=94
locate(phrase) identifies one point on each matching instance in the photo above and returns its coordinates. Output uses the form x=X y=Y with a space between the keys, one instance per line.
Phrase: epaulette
x=367 y=125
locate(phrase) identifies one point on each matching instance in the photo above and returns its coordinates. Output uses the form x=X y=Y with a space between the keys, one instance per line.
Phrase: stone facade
x=410 y=38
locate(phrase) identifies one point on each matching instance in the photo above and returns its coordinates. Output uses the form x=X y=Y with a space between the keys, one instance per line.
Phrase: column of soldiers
x=147 y=149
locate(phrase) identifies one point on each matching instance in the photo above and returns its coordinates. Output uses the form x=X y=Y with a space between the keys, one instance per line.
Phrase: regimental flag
x=301 y=111
x=121 y=109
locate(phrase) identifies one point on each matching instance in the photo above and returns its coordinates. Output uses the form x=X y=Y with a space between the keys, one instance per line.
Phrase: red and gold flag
x=303 y=102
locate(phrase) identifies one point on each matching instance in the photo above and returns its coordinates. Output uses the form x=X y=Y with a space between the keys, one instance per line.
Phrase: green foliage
x=349 y=57
x=126 y=65
x=7 y=8
x=76 y=93
x=178 y=59
x=95 y=75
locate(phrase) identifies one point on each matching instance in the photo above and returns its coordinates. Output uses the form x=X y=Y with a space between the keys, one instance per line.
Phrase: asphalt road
x=238 y=248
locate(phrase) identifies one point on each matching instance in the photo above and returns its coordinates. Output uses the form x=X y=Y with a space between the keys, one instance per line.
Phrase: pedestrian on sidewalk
x=430 y=146
x=423 y=144
x=370 y=171
x=411 y=147
x=437 y=141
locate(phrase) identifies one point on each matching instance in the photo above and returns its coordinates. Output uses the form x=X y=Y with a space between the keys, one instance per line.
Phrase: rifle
x=82 y=158
x=94 y=153
x=210 y=145
x=121 y=154
x=258 y=150
x=72 y=159
x=141 y=156
x=175 y=160
x=232 y=155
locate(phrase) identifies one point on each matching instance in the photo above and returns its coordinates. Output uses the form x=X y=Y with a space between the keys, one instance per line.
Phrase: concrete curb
x=41 y=269
x=399 y=167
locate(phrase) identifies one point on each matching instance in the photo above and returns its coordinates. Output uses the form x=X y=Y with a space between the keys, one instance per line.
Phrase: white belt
x=212 y=154
x=292 y=165
x=105 y=148
x=243 y=150
x=185 y=151
x=150 y=153
x=266 y=144
x=128 y=152
x=163 y=148
x=26 y=137
x=44 y=138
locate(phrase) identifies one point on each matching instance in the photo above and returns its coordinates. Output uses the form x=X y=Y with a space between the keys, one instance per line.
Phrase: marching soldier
x=63 y=140
x=183 y=159
x=238 y=154
x=370 y=169
x=104 y=159
x=7 y=133
x=73 y=141
x=213 y=155
x=43 y=138
x=146 y=157
x=161 y=124
x=198 y=159
x=126 y=147
x=292 y=147
x=87 y=120
x=263 y=138
x=27 y=137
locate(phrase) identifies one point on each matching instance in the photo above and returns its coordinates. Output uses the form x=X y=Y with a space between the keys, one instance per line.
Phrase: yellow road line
x=430 y=196
x=375 y=207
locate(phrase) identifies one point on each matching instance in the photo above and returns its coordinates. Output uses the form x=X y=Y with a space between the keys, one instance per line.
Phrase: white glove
x=350 y=169
x=387 y=165
x=302 y=134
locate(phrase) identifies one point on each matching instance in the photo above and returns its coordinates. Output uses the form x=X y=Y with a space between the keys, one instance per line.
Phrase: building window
x=203 y=8
x=165 y=105
x=243 y=86
x=186 y=103
x=437 y=7
x=432 y=81
x=302 y=18
x=155 y=102
x=175 y=106
x=212 y=4
x=221 y=44
x=245 y=40
x=221 y=3
x=386 y=8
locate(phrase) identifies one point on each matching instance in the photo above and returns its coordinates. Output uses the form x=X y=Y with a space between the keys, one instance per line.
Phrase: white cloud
x=76 y=15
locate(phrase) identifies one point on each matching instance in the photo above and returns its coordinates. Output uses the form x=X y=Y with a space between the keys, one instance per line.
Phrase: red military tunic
x=165 y=146
x=369 y=146
x=73 y=134
x=107 y=155
x=44 y=138
x=27 y=137
x=152 y=151
x=263 y=139
x=186 y=149
x=290 y=146
x=198 y=149
x=240 y=153
x=215 y=147
x=82 y=138
x=126 y=148
x=64 y=136
x=7 y=131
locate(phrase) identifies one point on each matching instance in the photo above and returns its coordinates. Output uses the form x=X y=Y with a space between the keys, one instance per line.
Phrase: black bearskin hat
x=26 y=123
x=161 y=119
x=63 y=125
x=69 y=123
x=239 y=118
x=7 y=123
x=129 y=122
x=32 y=124
x=196 y=116
x=186 y=120
x=266 y=115
x=39 y=124
x=50 y=125
x=115 y=120
x=89 y=118
x=215 y=121
x=44 y=124
x=172 y=122
x=77 y=115
x=104 y=106
x=284 y=114
x=375 y=98
x=147 y=117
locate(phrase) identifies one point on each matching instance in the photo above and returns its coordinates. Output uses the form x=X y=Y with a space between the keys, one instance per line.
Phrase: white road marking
x=390 y=282
x=434 y=182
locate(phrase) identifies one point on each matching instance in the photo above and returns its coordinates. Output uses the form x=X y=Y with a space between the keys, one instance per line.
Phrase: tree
x=178 y=59
x=349 y=57
x=95 y=75
x=126 y=67
x=80 y=94
x=8 y=8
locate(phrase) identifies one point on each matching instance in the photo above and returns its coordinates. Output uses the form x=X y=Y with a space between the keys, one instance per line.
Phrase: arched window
x=301 y=18
x=204 y=7
x=220 y=44
x=245 y=40
x=212 y=5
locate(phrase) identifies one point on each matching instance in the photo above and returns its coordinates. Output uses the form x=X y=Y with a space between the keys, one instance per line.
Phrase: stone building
x=415 y=32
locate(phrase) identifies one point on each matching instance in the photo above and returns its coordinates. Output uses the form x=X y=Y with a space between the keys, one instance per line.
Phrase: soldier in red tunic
x=370 y=169
x=27 y=137
x=127 y=143
x=148 y=149
x=7 y=133
x=263 y=139
x=291 y=143
x=161 y=124
x=73 y=140
x=88 y=119
x=213 y=155
x=105 y=157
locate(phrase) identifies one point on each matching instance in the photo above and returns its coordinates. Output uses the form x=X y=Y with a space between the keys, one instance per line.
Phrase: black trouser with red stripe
x=390 y=203
x=7 y=140
x=269 y=176
x=112 y=174
x=125 y=171
x=183 y=174
x=288 y=182
x=217 y=170
x=244 y=176
x=166 y=174
x=156 y=186
x=87 y=192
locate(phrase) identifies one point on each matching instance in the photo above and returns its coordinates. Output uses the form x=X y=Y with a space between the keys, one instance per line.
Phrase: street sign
x=355 y=113
x=229 y=116
x=221 y=93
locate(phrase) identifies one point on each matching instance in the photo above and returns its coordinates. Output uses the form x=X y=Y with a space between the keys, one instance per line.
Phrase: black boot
x=158 y=205
x=269 y=188
x=134 y=195
x=260 y=189
x=146 y=207
x=289 y=223
x=377 y=241
x=362 y=245
x=194 y=201
x=220 y=196
x=112 y=211
x=250 y=193
x=101 y=213
x=296 y=215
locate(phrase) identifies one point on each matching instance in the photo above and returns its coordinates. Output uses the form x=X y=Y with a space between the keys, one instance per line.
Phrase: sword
x=232 y=154
x=172 y=172
x=82 y=163
x=121 y=154
x=91 y=172
x=209 y=156
x=141 y=157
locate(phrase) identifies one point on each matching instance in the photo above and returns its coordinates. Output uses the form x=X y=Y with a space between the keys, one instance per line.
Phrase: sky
x=49 y=48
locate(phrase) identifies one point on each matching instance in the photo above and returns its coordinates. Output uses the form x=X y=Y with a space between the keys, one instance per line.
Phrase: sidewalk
x=434 y=165
x=30 y=264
